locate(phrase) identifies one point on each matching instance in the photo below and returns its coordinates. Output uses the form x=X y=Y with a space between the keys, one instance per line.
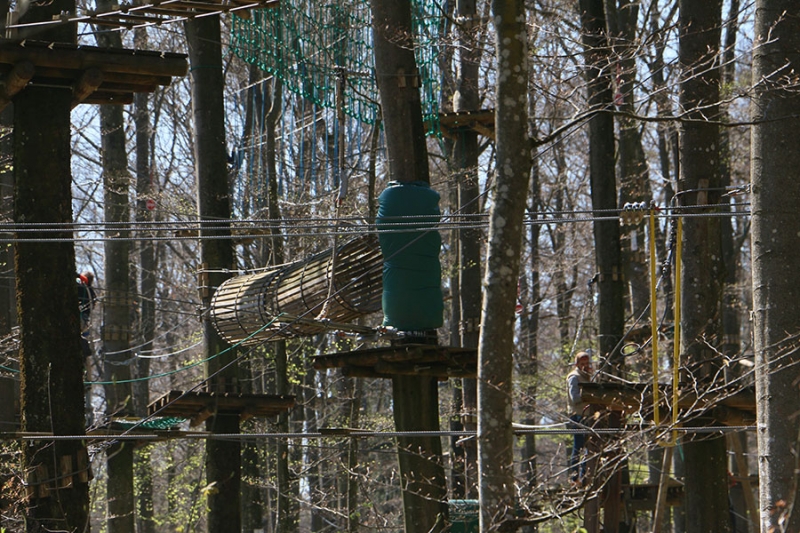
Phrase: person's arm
x=574 y=389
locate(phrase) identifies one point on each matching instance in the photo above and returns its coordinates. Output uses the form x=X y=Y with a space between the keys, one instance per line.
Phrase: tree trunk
x=610 y=284
x=51 y=361
x=116 y=308
x=776 y=254
x=9 y=387
x=353 y=511
x=706 y=466
x=610 y=308
x=288 y=513
x=731 y=303
x=416 y=399
x=465 y=164
x=529 y=364
x=223 y=457
x=634 y=179
x=496 y=345
x=147 y=296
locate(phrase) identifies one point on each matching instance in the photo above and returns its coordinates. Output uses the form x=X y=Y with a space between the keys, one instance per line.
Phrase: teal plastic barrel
x=464 y=516
x=410 y=244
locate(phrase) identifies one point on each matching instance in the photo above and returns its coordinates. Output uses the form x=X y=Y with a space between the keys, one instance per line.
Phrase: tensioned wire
x=323 y=228
x=351 y=433
x=532 y=429
x=270 y=223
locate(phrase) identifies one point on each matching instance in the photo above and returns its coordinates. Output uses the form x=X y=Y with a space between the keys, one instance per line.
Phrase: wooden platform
x=128 y=15
x=643 y=497
x=481 y=121
x=410 y=359
x=731 y=406
x=199 y=406
x=94 y=75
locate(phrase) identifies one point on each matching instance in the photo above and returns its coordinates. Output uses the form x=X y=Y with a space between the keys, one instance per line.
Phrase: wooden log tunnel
x=294 y=300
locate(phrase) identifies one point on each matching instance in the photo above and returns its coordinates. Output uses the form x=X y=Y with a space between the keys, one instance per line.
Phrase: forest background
x=610 y=109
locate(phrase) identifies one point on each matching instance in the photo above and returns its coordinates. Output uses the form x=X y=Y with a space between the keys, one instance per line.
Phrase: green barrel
x=464 y=516
x=410 y=243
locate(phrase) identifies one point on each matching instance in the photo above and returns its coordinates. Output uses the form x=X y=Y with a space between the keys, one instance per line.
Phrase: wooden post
x=744 y=473
x=661 y=499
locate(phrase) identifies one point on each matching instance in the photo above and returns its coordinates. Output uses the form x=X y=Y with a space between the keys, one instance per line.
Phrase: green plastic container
x=410 y=242
x=464 y=516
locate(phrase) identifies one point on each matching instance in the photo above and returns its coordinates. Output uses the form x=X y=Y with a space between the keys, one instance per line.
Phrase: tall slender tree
x=776 y=254
x=116 y=308
x=145 y=190
x=509 y=193
x=699 y=40
x=610 y=308
x=465 y=164
x=223 y=460
x=416 y=398
x=51 y=360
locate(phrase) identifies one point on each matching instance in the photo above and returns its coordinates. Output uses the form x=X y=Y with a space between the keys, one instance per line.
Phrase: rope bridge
x=324 y=53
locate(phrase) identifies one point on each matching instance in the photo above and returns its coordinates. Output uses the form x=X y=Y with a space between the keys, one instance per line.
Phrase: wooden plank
x=198 y=405
x=19 y=76
x=86 y=84
x=631 y=397
x=661 y=497
x=105 y=98
x=63 y=56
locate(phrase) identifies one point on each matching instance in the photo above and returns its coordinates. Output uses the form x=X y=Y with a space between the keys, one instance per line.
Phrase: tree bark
x=465 y=164
x=531 y=297
x=706 y=466
x=776 y=254
x=116 y=308
x=610 y=308
x=223 y=457
x=9 y=387
x=51 y=361
x=398 y=85
x=416 y=398
x=634 y=179
x=496 y=345
x=147 y=296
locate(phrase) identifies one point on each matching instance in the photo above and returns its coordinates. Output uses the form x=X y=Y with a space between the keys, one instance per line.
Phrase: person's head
x=89 y=277
x=583 y=361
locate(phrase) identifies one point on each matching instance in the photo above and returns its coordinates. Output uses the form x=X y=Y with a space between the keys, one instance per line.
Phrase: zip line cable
x=339 y=433
x=289 y=222
x=394 y=227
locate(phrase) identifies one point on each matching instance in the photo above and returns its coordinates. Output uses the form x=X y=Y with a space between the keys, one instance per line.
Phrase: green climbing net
x=316 y=49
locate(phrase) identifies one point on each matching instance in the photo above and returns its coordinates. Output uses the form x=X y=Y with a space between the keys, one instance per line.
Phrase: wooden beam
x=103 y=98
x=363 y=372
x=109 y=78
x=661 y=497
x=196 y=405
x=16 y=80
x=61 y=56
x=744 y=477
x=87 y=83
x=632 y=397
